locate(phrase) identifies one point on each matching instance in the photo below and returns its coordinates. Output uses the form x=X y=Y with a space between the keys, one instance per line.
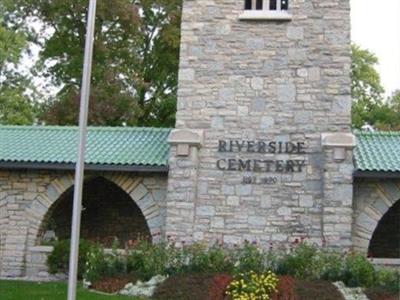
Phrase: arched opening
x=385 y=242
x=108 y=213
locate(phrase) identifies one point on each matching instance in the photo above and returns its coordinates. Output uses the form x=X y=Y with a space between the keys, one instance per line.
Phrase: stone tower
x=262 y=149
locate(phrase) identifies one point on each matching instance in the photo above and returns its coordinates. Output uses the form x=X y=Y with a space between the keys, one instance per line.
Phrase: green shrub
x=358 y=271
x=301 y=262
x=100 y=265
x=96 y=265
x=58 y=260
x=329 y=265
x=249 y=258
x=201 y=259
x=387 y=280
x=147 y=260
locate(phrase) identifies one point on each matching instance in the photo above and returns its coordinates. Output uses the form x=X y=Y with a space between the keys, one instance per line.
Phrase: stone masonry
x=27 y=195
x=373 y=199
x=252 y=82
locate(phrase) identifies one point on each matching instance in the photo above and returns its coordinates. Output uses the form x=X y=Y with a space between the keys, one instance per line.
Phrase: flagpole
x=80 y=163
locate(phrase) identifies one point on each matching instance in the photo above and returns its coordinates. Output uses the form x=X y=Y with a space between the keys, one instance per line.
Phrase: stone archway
x=385 y=242
x=372 y=199
x=131 y=185
x=108 y=214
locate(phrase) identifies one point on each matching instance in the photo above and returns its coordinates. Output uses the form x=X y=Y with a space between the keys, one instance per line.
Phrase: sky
x=376 y=27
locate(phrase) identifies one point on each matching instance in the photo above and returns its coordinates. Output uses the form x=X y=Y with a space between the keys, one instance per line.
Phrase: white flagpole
x=80 y=163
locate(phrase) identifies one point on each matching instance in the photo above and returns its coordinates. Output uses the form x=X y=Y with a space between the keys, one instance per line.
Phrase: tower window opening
x=275 y=5
x=266 y=10
x=278 y=4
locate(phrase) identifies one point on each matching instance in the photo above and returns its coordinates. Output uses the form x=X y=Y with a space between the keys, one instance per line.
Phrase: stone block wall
x=27 y=195
x=262 y=81
x=373 y=199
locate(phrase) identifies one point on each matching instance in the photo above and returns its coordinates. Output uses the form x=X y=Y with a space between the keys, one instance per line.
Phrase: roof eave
x=376 y=174
x=88 y=167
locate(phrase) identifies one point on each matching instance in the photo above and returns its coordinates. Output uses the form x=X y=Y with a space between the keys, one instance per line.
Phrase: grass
x=22 y=290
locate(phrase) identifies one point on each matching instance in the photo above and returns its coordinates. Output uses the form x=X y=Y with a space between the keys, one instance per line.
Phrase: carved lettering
x=259 y=165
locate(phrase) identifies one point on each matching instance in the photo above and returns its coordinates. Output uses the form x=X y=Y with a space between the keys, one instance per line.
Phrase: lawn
x=22 y=290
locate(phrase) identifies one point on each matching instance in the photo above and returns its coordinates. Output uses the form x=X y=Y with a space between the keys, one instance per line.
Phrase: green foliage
x=367 y=93
x=304 y=261
x=11 y=44
x=147 y=260
x=386 y=280
x=207 y=260
x=94 y=263
x=135 y=63
x=366 y=82
x=251 y=286
x=99 y=265
x=58 y=260
x=355 y=270
x=358 y=271
x=388 y=116
x=366 y=88
x=249 y=258
x=300 y=262
x=15 y=107
x=329 y=265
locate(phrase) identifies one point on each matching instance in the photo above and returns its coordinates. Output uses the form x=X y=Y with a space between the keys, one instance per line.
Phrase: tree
x=394 y=101
x=366 y=88
x=367 y=92
x=15 y=107
x=135 y=64
x=388 y=115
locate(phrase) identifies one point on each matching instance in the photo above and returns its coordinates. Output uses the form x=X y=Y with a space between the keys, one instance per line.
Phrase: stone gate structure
x=262 y=150
x=263 y=147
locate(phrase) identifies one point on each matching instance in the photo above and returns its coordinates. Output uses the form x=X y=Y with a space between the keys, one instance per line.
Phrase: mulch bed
x=321 y=290
x=295 y=289
x=376 y=294
x=194 y=287
x=285 y=289
x=112 y=284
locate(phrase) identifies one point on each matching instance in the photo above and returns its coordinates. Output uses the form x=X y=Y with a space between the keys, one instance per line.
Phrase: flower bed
x=201 y=272
x=204 y=287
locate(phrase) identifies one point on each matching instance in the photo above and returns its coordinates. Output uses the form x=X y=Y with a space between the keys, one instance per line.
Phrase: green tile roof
x=105 y=145
x=137 y=146
x=377 y=151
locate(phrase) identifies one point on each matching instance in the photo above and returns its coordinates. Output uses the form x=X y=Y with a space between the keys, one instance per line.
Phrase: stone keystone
x=338 y=139
x=186 y=136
